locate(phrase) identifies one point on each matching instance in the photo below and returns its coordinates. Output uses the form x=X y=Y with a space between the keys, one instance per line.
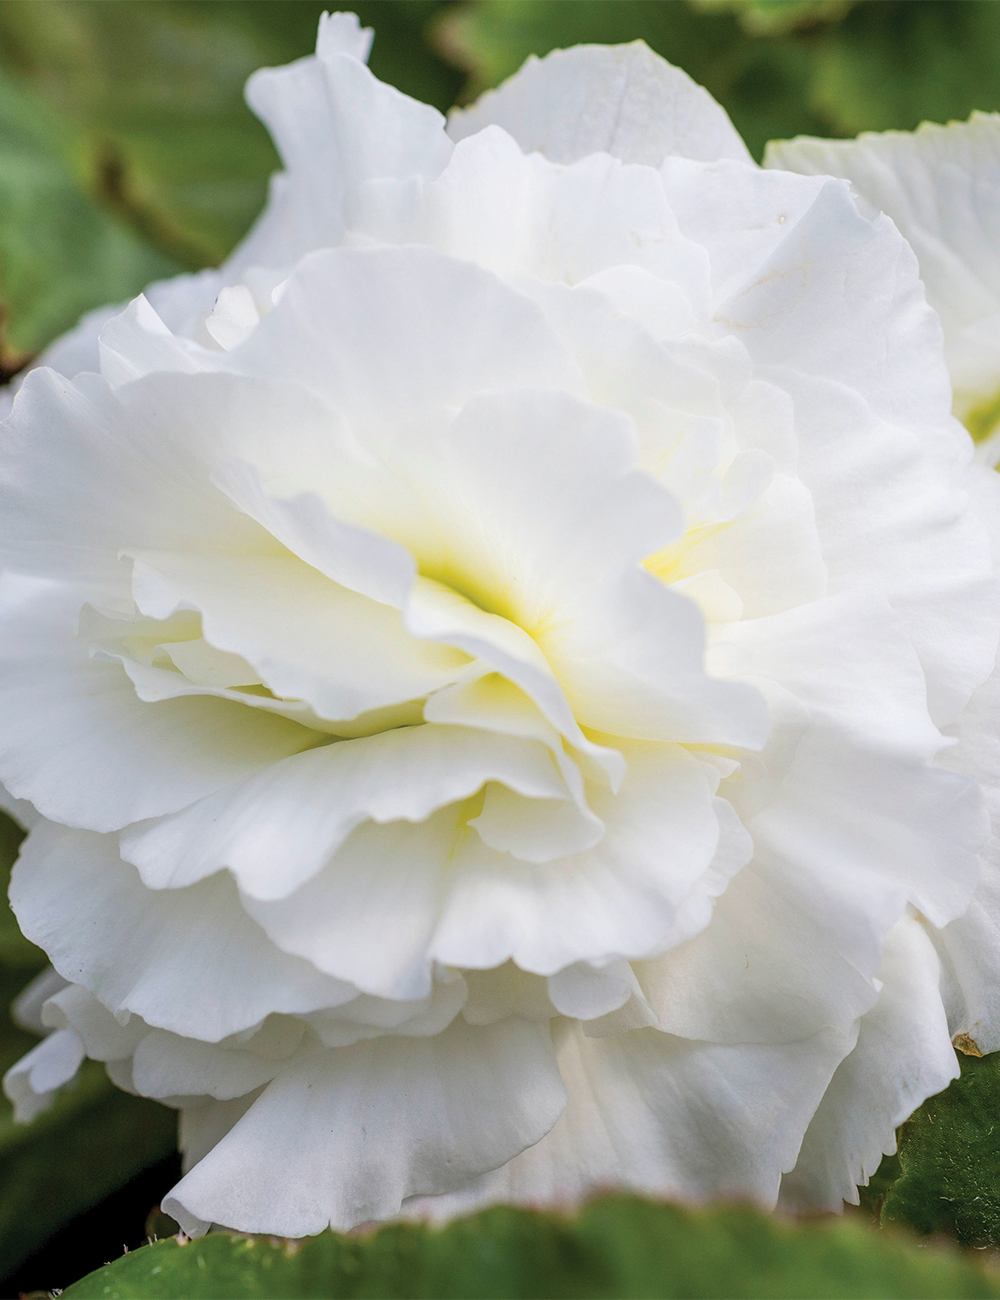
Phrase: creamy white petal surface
x=485 y=660
x=941 y=187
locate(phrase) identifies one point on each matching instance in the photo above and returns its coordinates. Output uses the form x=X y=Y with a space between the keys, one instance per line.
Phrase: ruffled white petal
x=666 y=1117
x=623 y=100
x=902 y=1056
x=26 y=1009
x=67 y=722
x=394 y=337
x=328 y=1143
x=20 y=810
x=596 y=219
x=970 y=945
x=848 y=444
x=278 y=830
x=335 y=125
x=105 y=1037
x=33 y=1083
x=941 y=186
x=282 y=617
x=627 y=896
x=187 y=960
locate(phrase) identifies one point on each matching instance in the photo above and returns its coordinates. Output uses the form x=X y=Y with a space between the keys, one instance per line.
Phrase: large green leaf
x=617 y=1246
x=92 y=1141
x=946 y=1177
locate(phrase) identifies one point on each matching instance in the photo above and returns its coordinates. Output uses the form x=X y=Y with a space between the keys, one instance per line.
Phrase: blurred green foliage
x=59 y=253
x=127 y=154
x=92 y=1141
x=618 y=1246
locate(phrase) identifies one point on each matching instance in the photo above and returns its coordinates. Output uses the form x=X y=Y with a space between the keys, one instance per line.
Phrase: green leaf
x=92 y=1141
x=946 y=1177
x=617 y=1246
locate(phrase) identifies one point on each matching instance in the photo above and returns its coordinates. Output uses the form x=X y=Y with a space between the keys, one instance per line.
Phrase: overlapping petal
x=940 y=186
x=328 y=1143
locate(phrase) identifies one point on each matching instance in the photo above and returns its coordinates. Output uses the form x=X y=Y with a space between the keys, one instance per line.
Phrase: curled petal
x=327 y=1143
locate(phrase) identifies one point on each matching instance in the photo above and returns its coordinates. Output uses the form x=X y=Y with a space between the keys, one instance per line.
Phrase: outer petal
x=335 y=125
x=147 y=443
x=941 y=186
x=328 y=1142
x=72 y=352
x=774 y=964
x=849 y=661
x=367 y=917
x=622 y=99
x=849 y=824
x=187 y=960
x=104 y=1037
x=23 y=812
x=26 y=1009
x=903 y=1055
x=739 y=216
x=76 y=740
x=32 y=1084
x=518 y=215
x=176 y=300
x=863 y=277
x=666 y=1117
x=166 y=1066
x=204 y=1122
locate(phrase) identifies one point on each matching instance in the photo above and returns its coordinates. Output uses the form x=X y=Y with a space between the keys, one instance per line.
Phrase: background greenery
x=127 y=154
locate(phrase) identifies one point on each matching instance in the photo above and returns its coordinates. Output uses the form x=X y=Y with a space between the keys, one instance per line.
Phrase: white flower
x=483 y=679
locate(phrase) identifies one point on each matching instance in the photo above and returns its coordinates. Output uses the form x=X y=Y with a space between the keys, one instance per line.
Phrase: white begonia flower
x=481 y=660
